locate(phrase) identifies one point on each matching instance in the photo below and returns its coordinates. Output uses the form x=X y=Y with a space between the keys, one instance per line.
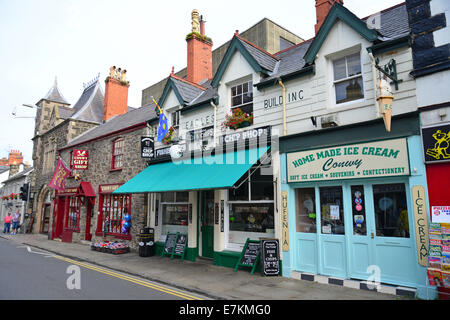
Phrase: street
x=27 y=273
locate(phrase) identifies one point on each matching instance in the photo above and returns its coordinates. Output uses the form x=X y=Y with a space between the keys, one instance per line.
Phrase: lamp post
x=25 y=105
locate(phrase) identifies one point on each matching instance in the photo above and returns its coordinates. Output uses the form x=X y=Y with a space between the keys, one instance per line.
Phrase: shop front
x=218 y=199
x=73 y=210
x=351 y=206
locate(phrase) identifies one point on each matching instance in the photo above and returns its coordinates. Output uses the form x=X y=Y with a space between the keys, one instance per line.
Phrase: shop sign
x=201 y=121
x=80 y=159
x=440 y=214
x=109 y=188
x=258 y=134
x=436 y=143
x=270 y=257
x=420 y=224
x=368 y=160
x=285 y=220
x=277 y=101
x=147 y=147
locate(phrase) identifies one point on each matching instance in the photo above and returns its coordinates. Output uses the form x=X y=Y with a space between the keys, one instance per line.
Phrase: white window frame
x=240 y=83
x=162 y=237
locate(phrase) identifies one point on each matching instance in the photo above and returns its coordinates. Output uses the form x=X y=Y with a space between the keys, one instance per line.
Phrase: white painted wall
x=441 y=36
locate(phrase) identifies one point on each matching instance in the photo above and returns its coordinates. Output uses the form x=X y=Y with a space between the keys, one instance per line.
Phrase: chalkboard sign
x=270 y=262
x=170 y=244
x=249 y=255
x=180 y=246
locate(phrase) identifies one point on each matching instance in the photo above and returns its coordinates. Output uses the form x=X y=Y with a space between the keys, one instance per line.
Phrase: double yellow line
x=131 y=279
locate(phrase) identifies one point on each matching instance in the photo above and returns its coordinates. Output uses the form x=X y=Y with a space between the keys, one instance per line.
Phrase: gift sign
x=80 y=159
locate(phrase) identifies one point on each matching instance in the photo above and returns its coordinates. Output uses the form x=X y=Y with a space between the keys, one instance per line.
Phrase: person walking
x=16 y=222
x=7 y=223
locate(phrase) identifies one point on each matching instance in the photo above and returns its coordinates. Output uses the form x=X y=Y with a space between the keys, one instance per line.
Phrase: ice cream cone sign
x=384 y=99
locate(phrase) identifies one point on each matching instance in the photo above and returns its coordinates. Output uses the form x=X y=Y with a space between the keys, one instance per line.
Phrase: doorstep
x=356 y=284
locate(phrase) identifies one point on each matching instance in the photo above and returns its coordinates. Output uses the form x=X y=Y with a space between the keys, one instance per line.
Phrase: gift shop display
x=439 y=258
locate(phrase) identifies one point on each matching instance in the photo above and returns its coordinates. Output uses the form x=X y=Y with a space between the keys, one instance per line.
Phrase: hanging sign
x=285 y=220
x=436 y=143
x=420 y=223
x=80 y=159
x=147 y=147
x=367 y=160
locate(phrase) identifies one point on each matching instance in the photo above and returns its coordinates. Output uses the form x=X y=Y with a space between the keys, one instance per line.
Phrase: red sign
x=80 y=159
x=59 y=176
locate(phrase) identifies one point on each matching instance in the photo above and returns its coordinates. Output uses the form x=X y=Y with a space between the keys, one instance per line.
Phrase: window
x=174 y=207
x=73 y=218
x=113 y=209
x=251 y=206
x=348 y=81
x=306 y=210
x=117 y=153
x=391 y=211
x=242 y=97
x=332 y=210
x=358 y=211
x=175 y=119
x=49 y=158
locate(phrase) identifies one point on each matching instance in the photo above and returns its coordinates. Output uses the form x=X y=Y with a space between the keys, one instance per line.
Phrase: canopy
x=211 y=172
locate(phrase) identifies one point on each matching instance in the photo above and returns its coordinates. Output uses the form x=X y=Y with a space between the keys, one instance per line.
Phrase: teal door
x=380 y=241
x=207 y=224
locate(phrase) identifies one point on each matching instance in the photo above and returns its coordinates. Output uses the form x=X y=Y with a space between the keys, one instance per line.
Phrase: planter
x=244 y=124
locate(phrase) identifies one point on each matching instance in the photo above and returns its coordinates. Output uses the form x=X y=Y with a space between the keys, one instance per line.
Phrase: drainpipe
x=374 y=79
x=283 y=90
x=215 y=116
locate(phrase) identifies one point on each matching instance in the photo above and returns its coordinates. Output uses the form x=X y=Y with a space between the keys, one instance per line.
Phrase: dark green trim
x=390 y=45
x=306 y=71
x=191 y=253
x=235 y=45
x=194 y=107
x=170 y=85
x=338 y=12
x=402 y=126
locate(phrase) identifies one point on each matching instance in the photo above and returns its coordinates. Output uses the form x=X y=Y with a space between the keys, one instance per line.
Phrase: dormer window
x=348 y=81
x=175 y=119
x=242 y=97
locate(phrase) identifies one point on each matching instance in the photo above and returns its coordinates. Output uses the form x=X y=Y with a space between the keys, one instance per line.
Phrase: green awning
x=211 y=172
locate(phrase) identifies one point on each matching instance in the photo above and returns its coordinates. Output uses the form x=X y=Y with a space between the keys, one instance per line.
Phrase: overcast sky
x=74 y=40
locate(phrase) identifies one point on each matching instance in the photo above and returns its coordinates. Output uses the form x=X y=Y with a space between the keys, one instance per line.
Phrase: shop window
x=174 y=212
x=358 y=211
x=113 y=209
x=348 y=81
x=117 y=153
x=73 y=218
x=251 y=206
x=242 y=97
x=306 y=210
x=332 y=210
x=391 y=210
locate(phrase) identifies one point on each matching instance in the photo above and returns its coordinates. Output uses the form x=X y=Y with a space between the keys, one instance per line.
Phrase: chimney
x=322 y=9
x=199 y=51
x=15 y=157
x=116 y=93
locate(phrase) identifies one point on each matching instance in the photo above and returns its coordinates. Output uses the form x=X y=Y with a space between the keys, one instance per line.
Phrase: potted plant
x=237 y=119
x=170 y=136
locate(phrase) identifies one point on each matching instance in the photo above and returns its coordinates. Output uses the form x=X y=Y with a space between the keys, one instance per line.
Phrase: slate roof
x=117 y=123
x=207 y=95
x=55 y=95
x=393 y=24
x=187 y=91
x=89 y=106
x=19 y=175
x=264 y=59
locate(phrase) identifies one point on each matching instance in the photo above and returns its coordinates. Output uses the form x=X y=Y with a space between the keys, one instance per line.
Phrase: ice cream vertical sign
x=80 y=159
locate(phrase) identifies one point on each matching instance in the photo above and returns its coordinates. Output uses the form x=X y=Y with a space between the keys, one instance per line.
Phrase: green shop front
x=218 y=197
x=350 y=205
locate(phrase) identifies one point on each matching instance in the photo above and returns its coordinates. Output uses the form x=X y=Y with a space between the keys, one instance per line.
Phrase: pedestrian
x=16 y=222
x=7 y=223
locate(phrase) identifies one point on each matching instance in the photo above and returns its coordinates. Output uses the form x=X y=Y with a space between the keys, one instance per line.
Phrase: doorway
x=89 y=205
x=207 y=224
x=45 y=218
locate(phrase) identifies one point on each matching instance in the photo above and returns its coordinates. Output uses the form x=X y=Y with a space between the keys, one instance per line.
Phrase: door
x=45 y=218
x=87 y=233
x=207 y=224
x=381 y=233
x=58 y=216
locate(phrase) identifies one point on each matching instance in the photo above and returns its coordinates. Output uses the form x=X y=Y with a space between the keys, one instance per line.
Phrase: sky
x=75 y=40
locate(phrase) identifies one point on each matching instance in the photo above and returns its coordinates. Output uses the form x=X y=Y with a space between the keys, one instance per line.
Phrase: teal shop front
x=350 y=205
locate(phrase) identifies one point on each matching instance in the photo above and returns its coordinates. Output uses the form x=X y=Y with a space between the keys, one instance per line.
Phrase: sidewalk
x=201 y=276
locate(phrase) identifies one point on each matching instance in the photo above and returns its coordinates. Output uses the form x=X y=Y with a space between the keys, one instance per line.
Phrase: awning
x=211 y=172
x=85 y=189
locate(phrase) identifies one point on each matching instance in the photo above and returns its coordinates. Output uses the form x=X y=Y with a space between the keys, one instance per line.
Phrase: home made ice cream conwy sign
x=367 y=160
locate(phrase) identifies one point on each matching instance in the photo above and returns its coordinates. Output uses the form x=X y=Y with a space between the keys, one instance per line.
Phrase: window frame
x=109 y=198
x=334 y=82
x=249 y=83
x=114 y=156
x=73 y=207
x=162 y=236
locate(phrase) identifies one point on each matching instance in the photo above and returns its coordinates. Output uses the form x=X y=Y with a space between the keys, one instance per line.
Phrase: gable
x=170 y=88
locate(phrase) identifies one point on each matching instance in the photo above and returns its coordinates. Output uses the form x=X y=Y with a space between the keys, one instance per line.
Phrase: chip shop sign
x=80 y=160
x=367 y=160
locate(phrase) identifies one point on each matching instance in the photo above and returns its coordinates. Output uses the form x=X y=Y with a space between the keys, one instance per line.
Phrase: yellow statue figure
x=112 y=71
x=195 y=21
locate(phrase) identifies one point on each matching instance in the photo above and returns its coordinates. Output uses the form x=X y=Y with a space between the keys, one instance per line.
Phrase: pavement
x=202 y=277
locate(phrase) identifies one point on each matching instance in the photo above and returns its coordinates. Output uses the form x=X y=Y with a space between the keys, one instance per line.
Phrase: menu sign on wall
x=367 y=160
x=80 y=159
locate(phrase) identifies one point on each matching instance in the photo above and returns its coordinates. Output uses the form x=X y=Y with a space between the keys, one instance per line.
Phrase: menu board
x=250 y=255
x=180 y=245
x=270 y=261
x=170 y=243
x=439 y=255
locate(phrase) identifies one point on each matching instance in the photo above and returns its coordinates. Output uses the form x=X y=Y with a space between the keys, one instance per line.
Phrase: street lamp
x=25 y=105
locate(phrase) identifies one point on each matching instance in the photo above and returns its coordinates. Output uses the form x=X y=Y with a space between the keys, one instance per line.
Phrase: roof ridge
x=187 y=81
x=255 y=46
x=294 y=46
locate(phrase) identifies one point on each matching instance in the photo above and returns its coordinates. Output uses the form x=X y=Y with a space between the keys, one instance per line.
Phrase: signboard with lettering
x=80 y=159
x=367 y=160
x=420 y=223
x=436 y=143
x=440 y=214
x=250 y=255
x=270 y=261
x=147 y=147
x=285 y=220
x=179 y=248
x=108 y=188
x=169 y=245
x=258 y=134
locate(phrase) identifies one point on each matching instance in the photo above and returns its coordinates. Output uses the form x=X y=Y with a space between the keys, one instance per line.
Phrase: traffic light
x=24 y=192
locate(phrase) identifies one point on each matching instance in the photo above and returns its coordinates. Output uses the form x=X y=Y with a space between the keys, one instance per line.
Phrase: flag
x=59 y=176
x=163 y=127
